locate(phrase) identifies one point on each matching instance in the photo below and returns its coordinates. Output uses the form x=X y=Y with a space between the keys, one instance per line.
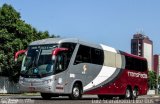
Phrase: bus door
x=61 y=65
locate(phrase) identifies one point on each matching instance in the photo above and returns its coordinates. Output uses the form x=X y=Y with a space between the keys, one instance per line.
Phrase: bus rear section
x=129 y=80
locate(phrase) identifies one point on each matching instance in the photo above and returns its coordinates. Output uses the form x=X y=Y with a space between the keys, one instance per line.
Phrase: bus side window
x=97 y=56
x=135 y=64
x=71 y=47
x=83 y=55
x=78 y=59
x=61 y=62
x=144 y=65
x=128 y=62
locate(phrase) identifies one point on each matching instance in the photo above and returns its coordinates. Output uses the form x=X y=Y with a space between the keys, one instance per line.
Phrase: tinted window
x=70 y=46
x=87 y=54
x=135 y=64
x=144 y=65
x=61 y=62
x=63 y=58
x=83 y=55
x=97 y=56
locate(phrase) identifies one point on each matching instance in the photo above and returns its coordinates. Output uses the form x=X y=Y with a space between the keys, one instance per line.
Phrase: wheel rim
x=128 y=93
x=135 y=93
x=76 y=92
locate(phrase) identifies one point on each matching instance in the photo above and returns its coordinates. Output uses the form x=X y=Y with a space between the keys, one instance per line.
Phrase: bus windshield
x=38 y=61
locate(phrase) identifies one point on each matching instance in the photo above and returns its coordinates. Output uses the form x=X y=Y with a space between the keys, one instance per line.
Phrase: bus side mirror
x=18 y=53
x=56 y=51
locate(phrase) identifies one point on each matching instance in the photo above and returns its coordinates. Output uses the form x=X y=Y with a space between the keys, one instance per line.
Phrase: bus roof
x=45 y=41
x=61 y=40
x=75 y=40
x=72 y=40
x=132 y=55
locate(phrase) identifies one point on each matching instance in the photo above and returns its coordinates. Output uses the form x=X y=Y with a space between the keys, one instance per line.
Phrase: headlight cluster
x=47 y=81
x=36 y=82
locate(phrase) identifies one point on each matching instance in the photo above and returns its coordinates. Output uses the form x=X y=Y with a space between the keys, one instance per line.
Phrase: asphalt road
x=87 y=99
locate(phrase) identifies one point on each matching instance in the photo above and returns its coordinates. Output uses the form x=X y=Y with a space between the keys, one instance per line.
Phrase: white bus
x=57 y=67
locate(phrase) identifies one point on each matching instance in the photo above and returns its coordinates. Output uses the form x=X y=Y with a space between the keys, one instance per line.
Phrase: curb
x=22 y=94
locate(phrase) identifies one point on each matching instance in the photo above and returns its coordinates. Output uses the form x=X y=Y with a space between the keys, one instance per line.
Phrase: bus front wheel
x=76 y=92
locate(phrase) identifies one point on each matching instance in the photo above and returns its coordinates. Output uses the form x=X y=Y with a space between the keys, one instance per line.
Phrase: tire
x=128 y=94
x=135 y=93
x=46 y=96
x=76 y=92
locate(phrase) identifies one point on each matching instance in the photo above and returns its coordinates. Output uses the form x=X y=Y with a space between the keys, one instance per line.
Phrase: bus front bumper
x=44 y=85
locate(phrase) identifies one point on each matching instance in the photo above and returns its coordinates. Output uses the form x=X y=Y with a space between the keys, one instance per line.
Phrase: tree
x=15 y=35
x=152 y=79
x=159 y=79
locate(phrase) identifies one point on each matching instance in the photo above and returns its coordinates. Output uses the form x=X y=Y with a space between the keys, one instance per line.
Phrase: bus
x=71 y=67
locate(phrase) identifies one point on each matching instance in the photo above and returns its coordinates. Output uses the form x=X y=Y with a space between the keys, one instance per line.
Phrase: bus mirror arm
x=56 y=51
x=18 y=53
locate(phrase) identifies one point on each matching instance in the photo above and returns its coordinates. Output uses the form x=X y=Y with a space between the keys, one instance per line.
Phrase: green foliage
x=159 y=80
x=15 y=35
x=152 y=79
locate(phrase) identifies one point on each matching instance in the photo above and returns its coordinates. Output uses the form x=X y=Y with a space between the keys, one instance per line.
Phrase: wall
x=7 y=87
x=148 y=55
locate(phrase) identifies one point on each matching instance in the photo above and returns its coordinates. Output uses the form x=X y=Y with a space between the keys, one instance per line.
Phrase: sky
x=109 y=22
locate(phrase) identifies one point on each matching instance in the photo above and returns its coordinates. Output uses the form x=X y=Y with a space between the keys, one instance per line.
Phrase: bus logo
x=138 y=75
x=84 y=69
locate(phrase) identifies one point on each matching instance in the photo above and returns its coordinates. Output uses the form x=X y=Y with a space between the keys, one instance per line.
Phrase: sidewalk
x=22 y=94
x=149 y=96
